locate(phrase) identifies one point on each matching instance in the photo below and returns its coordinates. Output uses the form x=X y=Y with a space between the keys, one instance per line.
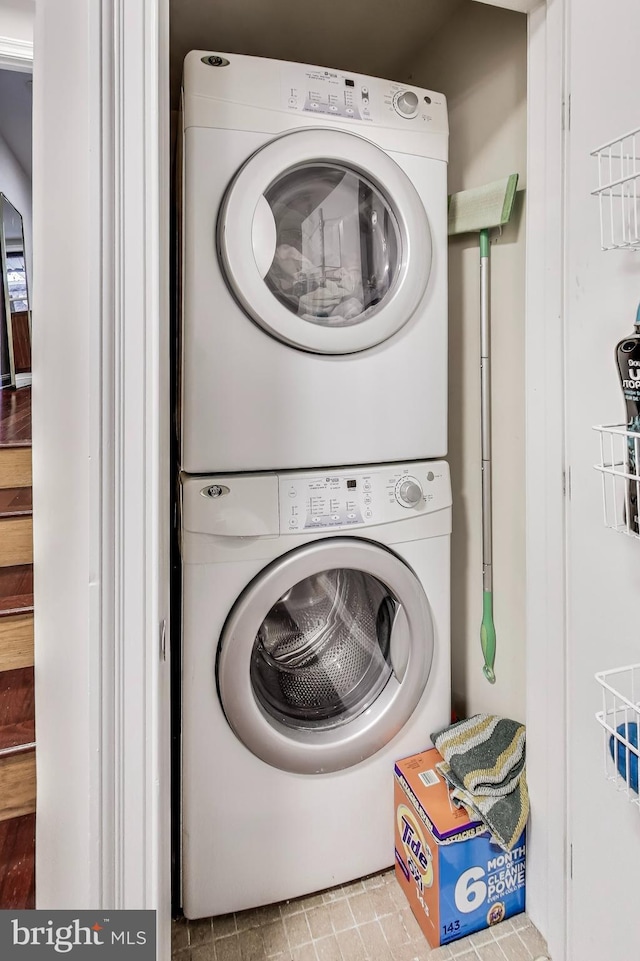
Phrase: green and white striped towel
x=484 y=765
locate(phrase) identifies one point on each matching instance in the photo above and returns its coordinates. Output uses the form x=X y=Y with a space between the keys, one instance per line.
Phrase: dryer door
x=325 y=241
x=325 y=656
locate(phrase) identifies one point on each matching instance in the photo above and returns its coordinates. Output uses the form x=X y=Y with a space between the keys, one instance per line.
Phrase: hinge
x=163 y=641
x=566 y=483
x=571 y=861
x=566 y=113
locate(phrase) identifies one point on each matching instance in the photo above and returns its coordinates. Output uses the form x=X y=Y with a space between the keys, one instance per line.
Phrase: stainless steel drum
x=322 y=652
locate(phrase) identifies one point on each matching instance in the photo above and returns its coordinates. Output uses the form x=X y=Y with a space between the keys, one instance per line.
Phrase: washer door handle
x=400 y=644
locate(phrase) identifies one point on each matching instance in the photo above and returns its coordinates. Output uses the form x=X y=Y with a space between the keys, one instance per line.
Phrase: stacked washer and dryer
x=315 y=512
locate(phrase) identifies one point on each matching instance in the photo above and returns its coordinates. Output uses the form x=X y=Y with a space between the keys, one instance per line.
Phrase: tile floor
x=367 y=920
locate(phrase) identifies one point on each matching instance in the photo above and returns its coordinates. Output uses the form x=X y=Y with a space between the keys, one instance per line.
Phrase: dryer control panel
x=364 y=496
x=350 y=96
x=232 y=92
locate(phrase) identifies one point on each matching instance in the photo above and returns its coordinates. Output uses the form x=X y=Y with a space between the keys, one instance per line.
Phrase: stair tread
x=16 y=502
x=17 y=712
x=16 y=590
x=15 y=417
x=19 y=604
x=17 y=735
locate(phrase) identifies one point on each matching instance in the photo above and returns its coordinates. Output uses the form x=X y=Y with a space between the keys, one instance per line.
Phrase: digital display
x=351 y=483
x=349 y=83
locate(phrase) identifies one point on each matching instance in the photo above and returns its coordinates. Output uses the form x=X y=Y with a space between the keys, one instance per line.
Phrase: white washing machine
x=316 y=652
x=314 y=267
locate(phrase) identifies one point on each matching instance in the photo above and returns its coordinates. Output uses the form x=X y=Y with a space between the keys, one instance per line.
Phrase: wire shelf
x=618 y=192
x=620 y=469
x=620 y=719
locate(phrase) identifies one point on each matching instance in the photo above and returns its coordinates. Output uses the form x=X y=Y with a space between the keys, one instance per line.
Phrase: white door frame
x=101 y=459
x=101 y=423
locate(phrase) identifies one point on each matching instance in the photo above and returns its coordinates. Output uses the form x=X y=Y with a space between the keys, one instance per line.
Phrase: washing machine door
x=325 y=656
x=325 y=241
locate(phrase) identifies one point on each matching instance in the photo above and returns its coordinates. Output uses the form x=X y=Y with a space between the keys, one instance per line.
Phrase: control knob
x=406 y=103
x=409 y=492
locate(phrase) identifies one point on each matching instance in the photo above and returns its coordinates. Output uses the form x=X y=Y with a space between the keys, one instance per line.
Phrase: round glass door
x=325 y=241
x=322 y=654
x=338 y=244
x=325 y=655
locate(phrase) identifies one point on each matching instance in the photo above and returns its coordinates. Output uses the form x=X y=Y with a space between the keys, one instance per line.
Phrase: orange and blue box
x=456 y=879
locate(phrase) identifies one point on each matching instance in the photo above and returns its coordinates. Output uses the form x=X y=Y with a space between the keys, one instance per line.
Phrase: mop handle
x=485 y=411
x=487 y=628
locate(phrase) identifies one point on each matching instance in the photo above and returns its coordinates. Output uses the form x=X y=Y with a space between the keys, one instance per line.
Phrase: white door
x=325 y=242
x=325 y=656
x=603 y=584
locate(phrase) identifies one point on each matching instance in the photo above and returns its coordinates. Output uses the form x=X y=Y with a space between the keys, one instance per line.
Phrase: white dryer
x=316 y=652
x=314 y=267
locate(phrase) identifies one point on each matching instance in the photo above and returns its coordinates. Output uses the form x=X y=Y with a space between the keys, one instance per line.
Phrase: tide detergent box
x=455 y=878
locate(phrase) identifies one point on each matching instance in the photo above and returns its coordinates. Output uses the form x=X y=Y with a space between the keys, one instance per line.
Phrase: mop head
x=482 y=207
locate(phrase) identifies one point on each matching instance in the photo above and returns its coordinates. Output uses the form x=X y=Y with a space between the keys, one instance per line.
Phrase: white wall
x=16 y=186
x=478 y=59
x=602 y=293
x=17 y=19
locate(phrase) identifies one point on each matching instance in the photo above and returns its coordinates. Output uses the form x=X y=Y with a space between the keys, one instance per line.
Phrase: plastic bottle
x=628 y=360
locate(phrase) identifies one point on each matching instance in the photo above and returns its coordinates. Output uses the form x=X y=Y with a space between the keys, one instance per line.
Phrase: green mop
x=477 y=211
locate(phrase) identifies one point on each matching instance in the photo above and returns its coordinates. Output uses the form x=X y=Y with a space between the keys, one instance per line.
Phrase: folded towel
x=484 y=764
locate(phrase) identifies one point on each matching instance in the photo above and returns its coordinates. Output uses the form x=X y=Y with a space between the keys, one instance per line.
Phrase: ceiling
x=373 y=37
x=16 y=107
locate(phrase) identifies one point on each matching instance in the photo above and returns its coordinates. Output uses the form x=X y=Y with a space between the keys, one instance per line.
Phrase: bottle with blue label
x=628 y=360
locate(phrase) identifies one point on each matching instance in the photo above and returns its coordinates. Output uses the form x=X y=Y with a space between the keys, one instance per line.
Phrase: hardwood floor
x=15 y=417
x=17 y=864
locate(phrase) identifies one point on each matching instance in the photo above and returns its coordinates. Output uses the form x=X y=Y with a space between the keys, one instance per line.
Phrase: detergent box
x=456 y=879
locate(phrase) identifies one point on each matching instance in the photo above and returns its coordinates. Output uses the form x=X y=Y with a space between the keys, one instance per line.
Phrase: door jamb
x=101 y=456
x=546 y=652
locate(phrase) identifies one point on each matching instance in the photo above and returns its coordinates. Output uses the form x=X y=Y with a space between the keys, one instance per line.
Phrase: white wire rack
x=620 y=469
x=618 y=191
x=620 y=718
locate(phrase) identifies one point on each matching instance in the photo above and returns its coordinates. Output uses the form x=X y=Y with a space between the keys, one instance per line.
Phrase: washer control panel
x=350 y=96
x=362 y=497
